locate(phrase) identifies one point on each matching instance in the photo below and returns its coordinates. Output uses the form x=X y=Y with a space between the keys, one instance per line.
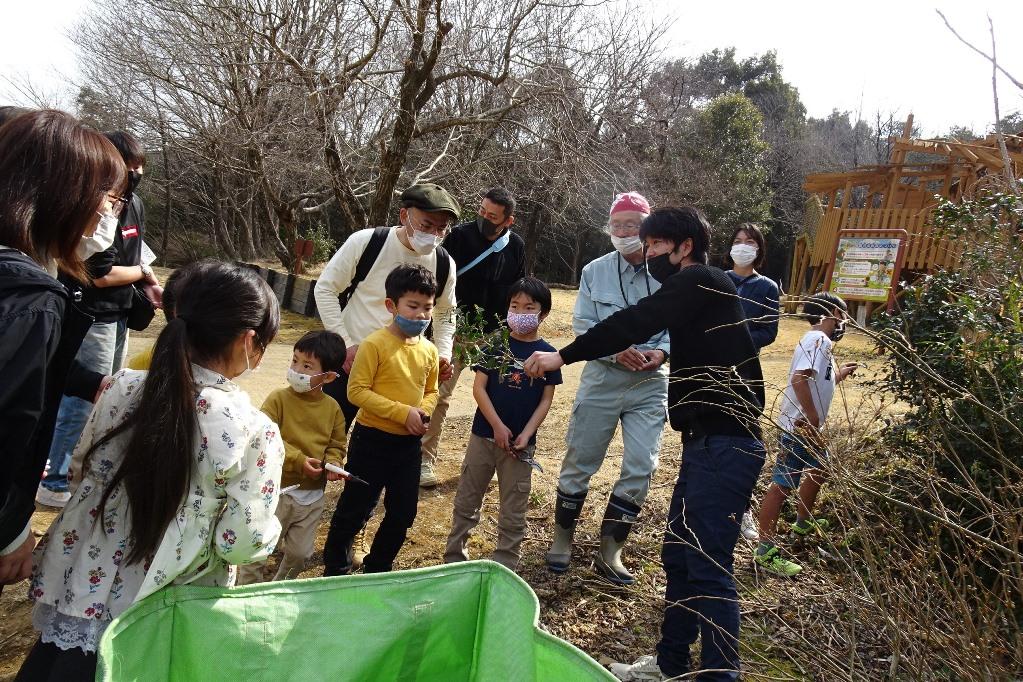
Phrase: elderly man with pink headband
x=630 y=387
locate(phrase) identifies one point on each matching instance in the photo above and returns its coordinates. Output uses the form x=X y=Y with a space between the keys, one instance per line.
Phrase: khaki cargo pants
x=482 y=458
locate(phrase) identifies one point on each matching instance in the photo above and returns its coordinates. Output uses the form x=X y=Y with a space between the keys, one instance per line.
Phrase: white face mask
x=743 y=254
x=101 y=239
x=302 y=383
x=627 y=245
x=424 y=243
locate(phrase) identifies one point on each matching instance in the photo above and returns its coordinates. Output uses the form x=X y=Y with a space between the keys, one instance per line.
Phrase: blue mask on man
x=411 y=327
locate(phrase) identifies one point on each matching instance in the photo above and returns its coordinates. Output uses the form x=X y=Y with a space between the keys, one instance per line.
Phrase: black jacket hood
x=18 y=271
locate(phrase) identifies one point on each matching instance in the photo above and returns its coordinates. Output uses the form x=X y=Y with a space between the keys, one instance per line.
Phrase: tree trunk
x=168 y=194
x=577 y=256
x=220 y=226
x=257 y=233
x=414 y=91
x=248 y=247
x=532 y=237
x=274 y=236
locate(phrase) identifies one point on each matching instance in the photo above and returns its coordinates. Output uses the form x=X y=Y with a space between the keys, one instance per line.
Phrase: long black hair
x=214 y=305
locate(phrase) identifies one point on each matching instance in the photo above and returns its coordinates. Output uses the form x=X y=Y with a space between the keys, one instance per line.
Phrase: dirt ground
x=608 y=623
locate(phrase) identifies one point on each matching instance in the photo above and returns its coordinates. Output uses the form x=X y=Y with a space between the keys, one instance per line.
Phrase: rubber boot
x=619 y=517
x=566 y=515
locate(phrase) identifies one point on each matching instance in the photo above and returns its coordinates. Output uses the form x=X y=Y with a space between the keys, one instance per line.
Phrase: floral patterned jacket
x=80 y=582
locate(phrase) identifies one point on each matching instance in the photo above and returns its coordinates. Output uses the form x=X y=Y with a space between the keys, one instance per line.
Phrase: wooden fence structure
x=293 y=292
x=898 y=195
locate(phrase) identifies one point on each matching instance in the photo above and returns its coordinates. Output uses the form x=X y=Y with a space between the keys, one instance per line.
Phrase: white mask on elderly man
x=627 y=245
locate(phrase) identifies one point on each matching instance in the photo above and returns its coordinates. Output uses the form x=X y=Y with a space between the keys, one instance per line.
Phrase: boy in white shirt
x=805 y=405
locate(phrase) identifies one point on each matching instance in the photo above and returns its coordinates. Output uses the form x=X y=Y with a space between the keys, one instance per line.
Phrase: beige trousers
x=298 y=537
x=431 y=439
x=482 y=458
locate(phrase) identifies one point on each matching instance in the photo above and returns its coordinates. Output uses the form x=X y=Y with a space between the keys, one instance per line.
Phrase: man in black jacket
x=490 y=258
x=108 y=300
x=715 y=399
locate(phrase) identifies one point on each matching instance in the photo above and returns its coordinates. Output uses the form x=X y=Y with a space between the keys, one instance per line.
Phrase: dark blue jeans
x=712 y=493
x=102 y=350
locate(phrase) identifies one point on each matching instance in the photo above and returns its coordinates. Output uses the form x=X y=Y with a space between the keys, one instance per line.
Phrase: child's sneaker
x=749 y=528
x=427 y=476
x=772 y=561
x=807 y=526
x=52 y=498
x=645 y=669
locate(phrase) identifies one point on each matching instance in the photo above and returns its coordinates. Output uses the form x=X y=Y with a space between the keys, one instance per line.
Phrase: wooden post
x=897 y=159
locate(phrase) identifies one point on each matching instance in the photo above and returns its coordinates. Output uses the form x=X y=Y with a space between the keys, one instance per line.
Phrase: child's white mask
x=302 y=383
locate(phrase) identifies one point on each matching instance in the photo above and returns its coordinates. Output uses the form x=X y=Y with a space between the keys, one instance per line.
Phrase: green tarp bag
x=472 y=621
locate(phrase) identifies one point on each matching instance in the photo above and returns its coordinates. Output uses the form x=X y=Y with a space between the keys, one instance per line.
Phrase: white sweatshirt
x=365 y=312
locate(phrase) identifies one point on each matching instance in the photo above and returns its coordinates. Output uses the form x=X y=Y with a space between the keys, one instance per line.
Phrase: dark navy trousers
x=712 y=493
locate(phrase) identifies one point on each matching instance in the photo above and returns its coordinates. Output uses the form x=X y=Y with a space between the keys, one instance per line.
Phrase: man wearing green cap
x=426 y=215
x=490 y=258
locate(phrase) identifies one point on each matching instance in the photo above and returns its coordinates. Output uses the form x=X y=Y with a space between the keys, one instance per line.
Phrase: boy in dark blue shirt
x=510 y=409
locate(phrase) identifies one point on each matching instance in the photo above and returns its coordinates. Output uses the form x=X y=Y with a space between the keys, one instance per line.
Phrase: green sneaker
x=807 y=526
x=772 y=562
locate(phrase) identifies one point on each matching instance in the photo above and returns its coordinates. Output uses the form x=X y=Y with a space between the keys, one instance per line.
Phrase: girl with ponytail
x=175 y=477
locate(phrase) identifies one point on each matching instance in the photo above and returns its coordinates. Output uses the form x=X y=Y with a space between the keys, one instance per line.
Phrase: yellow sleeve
x=294 y=458
x=360 y=386
x=337 y=448
x=141 y=361
x=429 y=403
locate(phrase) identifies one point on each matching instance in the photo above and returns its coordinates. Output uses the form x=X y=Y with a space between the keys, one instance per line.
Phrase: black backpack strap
x=365 y=264
x=443 y=269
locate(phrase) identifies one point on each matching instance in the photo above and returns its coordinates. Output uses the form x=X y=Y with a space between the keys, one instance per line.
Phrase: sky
x=894 y=56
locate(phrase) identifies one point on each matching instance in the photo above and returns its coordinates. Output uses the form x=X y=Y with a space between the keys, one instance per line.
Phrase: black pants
x=46 y=662
x=386 y=462
x=338 y=390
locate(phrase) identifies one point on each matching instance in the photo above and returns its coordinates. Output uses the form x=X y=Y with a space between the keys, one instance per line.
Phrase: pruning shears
x=531 y=461
x=348 y=476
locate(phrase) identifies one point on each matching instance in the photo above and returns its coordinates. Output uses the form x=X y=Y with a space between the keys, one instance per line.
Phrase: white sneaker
x=749 y=528
x=51 y=498
x=427 y=477
x=645 y=669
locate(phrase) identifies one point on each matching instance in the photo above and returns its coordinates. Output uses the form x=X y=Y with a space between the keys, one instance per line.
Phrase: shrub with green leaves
x=945 y=505
x=964 y=379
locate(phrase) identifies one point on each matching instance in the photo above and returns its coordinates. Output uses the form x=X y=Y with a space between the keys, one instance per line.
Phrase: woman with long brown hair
x=175 y=479
x=58 y=180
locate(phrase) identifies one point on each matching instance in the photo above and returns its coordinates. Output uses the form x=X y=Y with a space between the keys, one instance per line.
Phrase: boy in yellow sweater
x=313 y=430
x=393 y=382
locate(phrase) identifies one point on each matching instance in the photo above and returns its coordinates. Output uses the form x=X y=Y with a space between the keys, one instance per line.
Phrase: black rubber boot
x=619 y=517
x=566 y=515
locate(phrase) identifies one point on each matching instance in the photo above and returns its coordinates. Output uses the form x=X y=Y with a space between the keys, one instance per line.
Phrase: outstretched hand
x=540 y=363
x=847 y=370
